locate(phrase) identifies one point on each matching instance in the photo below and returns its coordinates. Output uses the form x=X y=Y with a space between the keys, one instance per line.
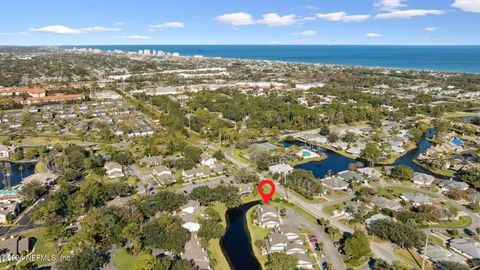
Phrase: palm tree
x=21 y=168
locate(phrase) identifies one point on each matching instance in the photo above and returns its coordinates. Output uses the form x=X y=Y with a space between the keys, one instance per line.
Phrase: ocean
x=437 y=58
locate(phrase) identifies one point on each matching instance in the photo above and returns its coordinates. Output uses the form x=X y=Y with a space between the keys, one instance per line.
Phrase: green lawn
x=256 y=233
x=412 y=258
x=125 y=261
x=214 y=249
x=462 y=222
x=238 y=154
x=43 y=245
x=396 y=191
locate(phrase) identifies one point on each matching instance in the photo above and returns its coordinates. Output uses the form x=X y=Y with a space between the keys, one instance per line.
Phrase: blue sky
x=88 y=22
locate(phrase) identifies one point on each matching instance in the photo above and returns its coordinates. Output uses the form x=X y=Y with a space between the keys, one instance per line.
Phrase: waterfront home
x=340 y=145
x=276 y=242
x=466 y=247
x=450 y=185
x=355 y=151
x=6 y=151
x=370 y=172
x=282 y=169
x=13 y=247
x=438 y=254
x=294 y=247
x=423 y=179
x=384 y=203
x=207 y=160
x=416 y=199
x=194 y=252
x=349 y=175
x=303 y=261
x=151 y=161
x=375 y=218
x=335 y=183
x=113 y=170
x=9 y=209
x=43 y=178
x=267 y=216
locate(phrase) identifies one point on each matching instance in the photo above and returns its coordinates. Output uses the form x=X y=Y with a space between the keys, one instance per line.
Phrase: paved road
x=380 y=250
x=331 y=254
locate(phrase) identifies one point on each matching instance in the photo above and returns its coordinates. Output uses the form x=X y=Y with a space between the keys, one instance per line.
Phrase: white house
x=303 y=261
x=280 y=169
x=423 y=179
x=113 y=170
x=267 y=216
x=207 y=160
x=6 y=151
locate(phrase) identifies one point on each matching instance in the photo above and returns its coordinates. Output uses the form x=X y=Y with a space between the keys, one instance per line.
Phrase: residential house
x=303 y=261
x=276 y=242
x=474 y=198
x=349 y=176
x=439 y=254
x=189 y=214
x=283 y=169
x=290 y=232
x=207 y=160
x=244 y=189
x=151 y=161
x=423 y=179
x=450 y=185
x=369 y=221
x=370 y=172
x=194 y=252
x=113 y=170
x=466 y=247
x=163 y=175
x=416 y=199
x=267 y=216
x=294 y=247
x=384 y=203
x=6 y=151
x=195 y=173
x=13 y=247
x=217 y=168
x=335 y=183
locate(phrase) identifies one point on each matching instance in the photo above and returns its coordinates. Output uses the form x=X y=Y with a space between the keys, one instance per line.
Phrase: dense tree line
x=404 y=235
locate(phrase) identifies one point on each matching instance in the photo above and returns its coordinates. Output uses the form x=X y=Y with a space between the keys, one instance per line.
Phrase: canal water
x=337 y=163
x=236 y=243
x=11 y=175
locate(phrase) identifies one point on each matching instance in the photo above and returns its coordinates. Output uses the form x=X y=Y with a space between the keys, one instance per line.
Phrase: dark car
x=317 y=247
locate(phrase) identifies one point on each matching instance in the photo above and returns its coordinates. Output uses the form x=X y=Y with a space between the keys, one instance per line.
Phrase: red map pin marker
x=266 y=197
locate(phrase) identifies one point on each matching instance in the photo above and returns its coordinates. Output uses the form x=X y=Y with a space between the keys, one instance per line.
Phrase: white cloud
x=372 y=35
x=273 y=19
x=274 y=42
x=13 y=34
x=389 y=5
x=342 y=17
x=467 y=5
x=57 y=29
x=407 y=14
x=310 y=7
x=120 y=23
x=306 y=33
x=239 y=18
x=430 y=29
x=99 y=29
x=168 y=25
x=65 y=30
x=135 y=37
